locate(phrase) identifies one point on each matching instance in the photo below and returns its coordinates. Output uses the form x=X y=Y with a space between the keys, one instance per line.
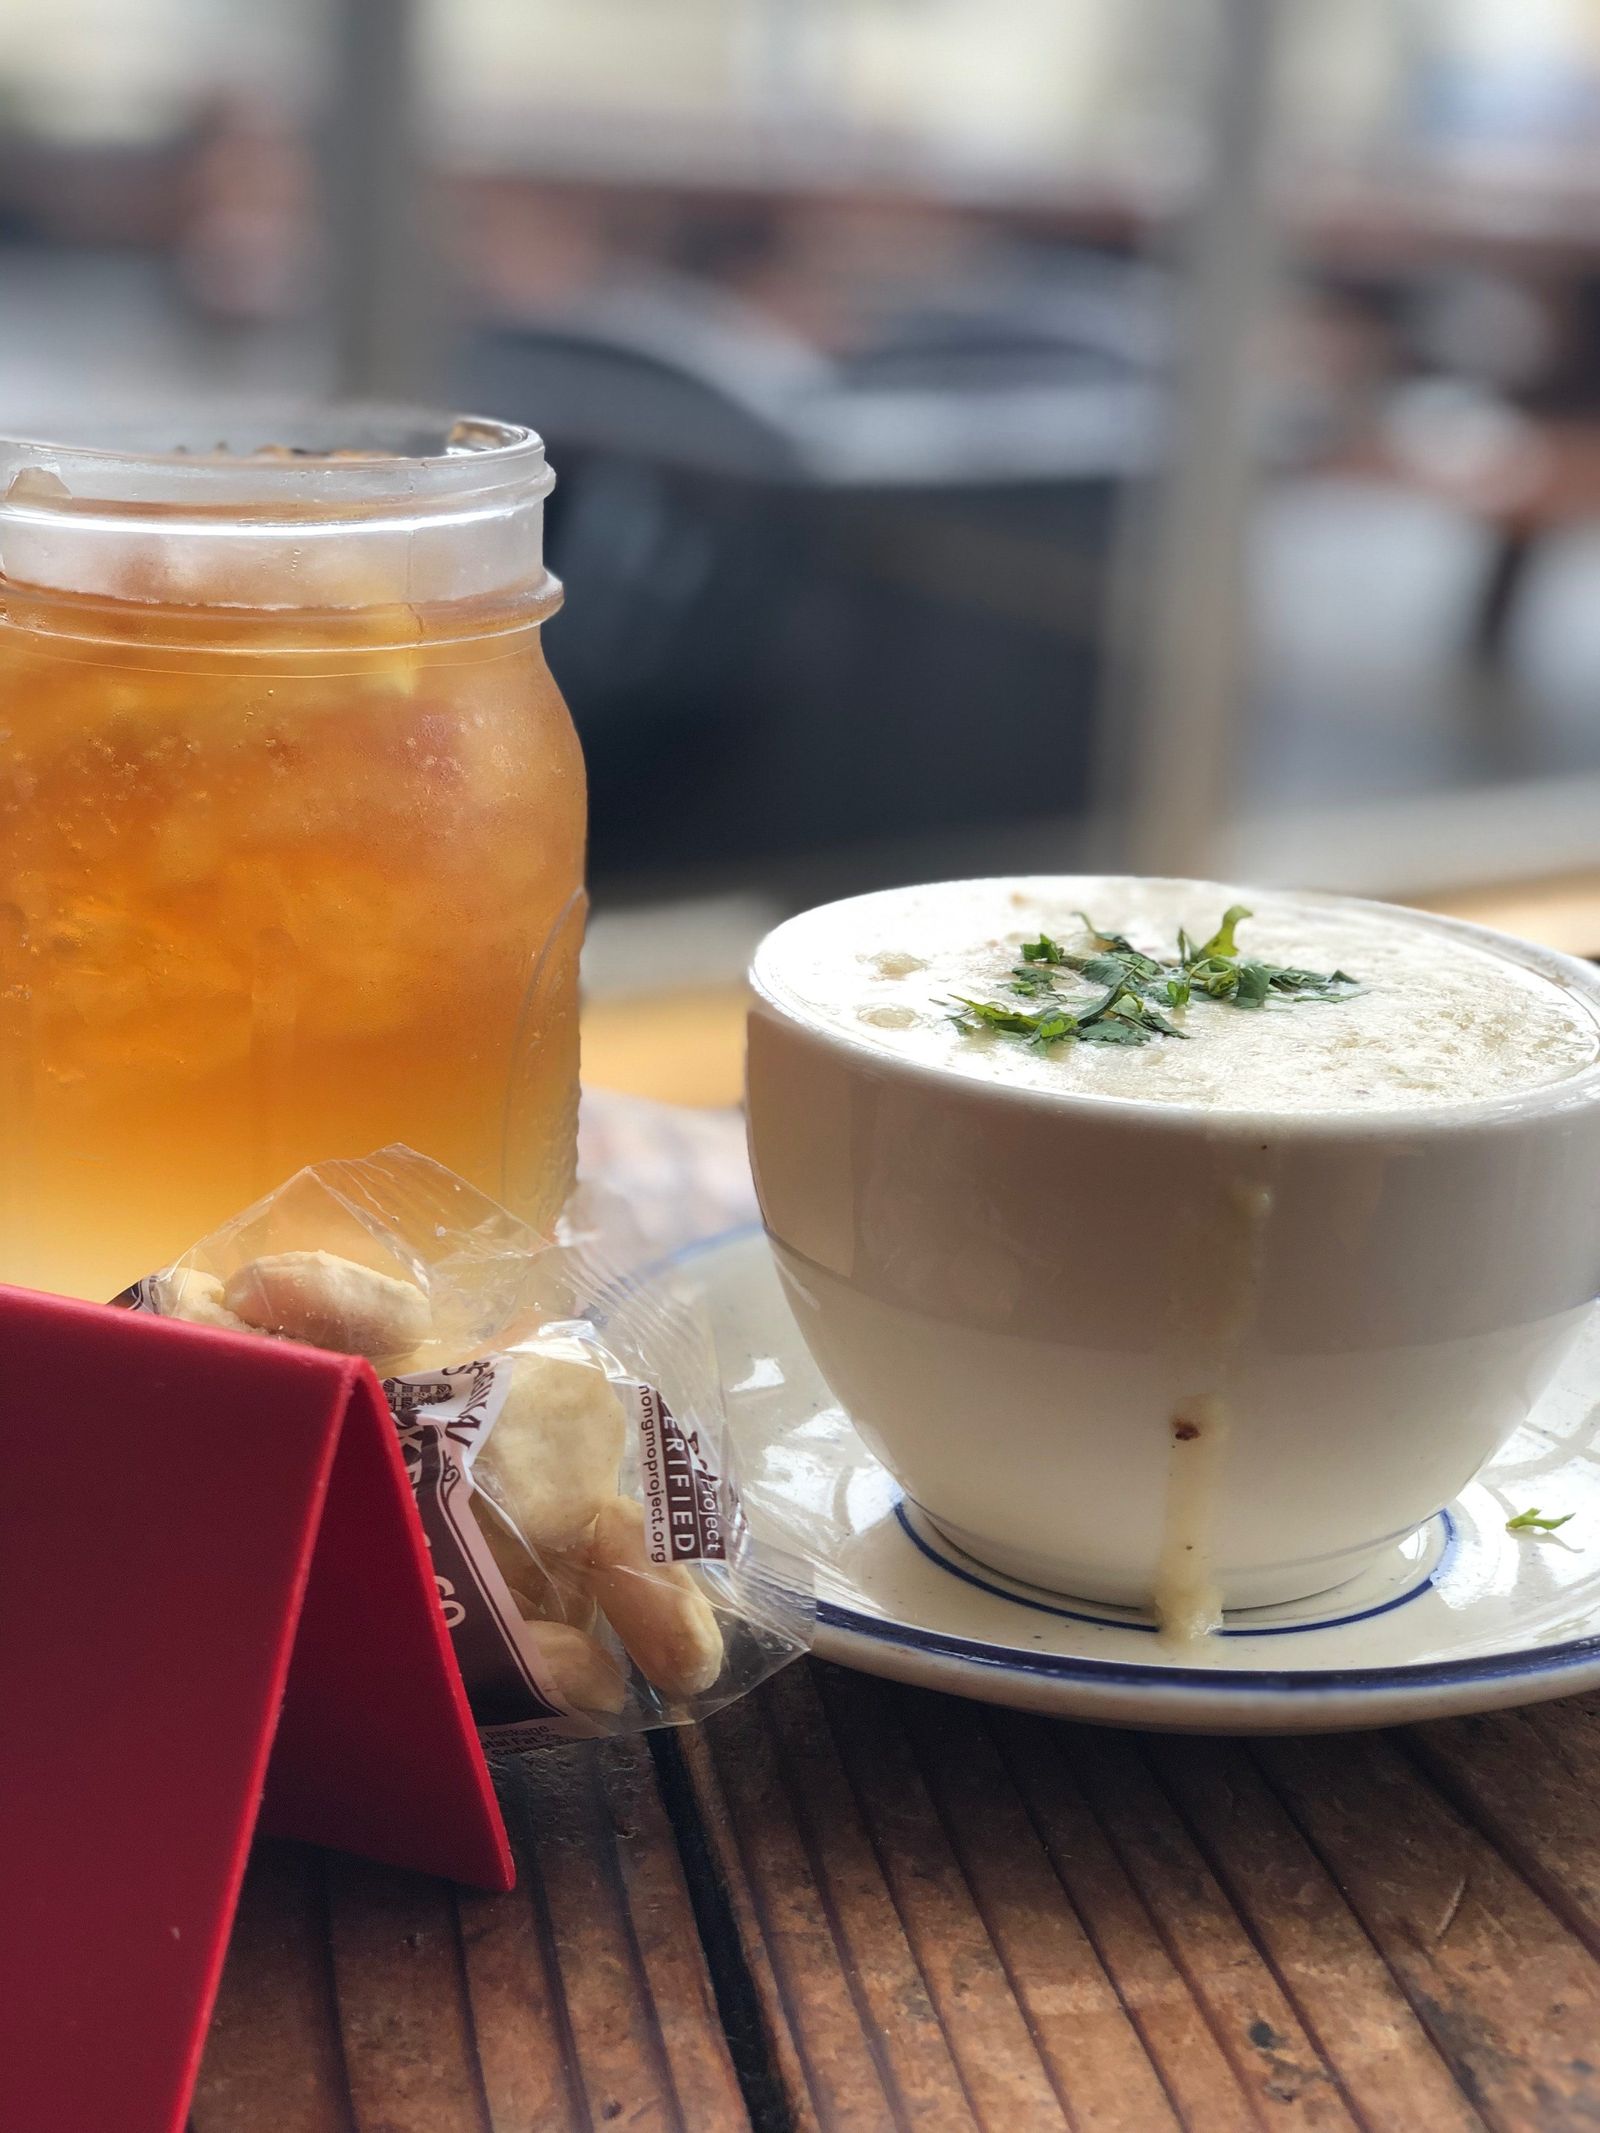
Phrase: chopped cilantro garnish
x=1135 y=987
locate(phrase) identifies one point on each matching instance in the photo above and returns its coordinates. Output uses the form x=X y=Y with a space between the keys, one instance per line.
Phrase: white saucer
x=1463 y=1616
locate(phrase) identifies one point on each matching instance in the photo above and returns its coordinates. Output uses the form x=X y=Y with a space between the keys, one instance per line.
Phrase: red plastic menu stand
x=216 y=1608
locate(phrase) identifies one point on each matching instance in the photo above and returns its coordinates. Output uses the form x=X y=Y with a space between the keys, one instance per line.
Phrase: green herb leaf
x=1531 y=1522
x=1052 y=1028
x=988 y=1014
x=1136 y=987
x=1221 y=942
x=1308 y=984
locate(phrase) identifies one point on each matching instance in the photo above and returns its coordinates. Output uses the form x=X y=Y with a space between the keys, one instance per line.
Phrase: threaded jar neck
x=330 y=512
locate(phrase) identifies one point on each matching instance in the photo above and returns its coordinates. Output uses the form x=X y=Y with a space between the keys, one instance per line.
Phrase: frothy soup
x=974 y=976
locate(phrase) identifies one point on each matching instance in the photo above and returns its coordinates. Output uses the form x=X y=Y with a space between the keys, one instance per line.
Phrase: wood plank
x=634 y=2018
x=957 y=1917
x=1527 y=1779
x=1348 y=1998
x=652 y=1878
x=1097 y=2061
x=518 y=2015
x=1275 y=2061
x=409 y=2052
x=1508 y=1992
x=848 y=2019
x=974 y=1879
x=608 y=2024
x=1207 y=2093
x=740 y=1947
x=997 y=2063
x=402 y=2005
x=274 y=2034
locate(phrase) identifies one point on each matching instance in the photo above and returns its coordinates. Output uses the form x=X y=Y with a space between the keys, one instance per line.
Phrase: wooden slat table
x=846 y=1905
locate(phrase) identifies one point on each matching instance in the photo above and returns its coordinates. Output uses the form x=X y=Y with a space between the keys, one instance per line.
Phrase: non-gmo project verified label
x=682 y=1494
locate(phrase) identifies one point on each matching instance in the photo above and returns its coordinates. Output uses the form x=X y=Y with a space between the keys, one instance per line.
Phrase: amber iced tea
x=278 y=882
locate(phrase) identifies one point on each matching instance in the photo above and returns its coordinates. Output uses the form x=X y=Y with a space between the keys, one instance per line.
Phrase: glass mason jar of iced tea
x=291 y=827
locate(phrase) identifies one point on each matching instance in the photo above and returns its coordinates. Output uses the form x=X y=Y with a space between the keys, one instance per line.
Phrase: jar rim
x=362 y=454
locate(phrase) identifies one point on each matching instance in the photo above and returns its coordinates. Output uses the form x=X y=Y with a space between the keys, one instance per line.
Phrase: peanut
x=582 y=1673
x=330 y=1303
x=664 y=1621
x=188 y=1294
x=543 y=1592
x=553 y=1455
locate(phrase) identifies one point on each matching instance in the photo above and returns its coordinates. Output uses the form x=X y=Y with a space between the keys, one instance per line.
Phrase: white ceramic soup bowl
x=1019 y=1294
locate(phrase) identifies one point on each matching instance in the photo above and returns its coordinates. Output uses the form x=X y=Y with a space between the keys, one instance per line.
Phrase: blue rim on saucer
x=1462 y=1616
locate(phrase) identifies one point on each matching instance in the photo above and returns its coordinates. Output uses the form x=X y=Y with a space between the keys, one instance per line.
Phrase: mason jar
x=291 y=826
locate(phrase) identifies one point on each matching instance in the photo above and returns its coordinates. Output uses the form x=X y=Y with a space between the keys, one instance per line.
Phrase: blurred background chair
x=817 y=604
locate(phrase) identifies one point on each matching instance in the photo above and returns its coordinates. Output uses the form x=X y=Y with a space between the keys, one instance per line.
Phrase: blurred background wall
x=991 y=433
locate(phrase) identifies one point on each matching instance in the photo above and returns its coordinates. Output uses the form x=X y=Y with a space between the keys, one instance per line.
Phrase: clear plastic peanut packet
x=562 y=1426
